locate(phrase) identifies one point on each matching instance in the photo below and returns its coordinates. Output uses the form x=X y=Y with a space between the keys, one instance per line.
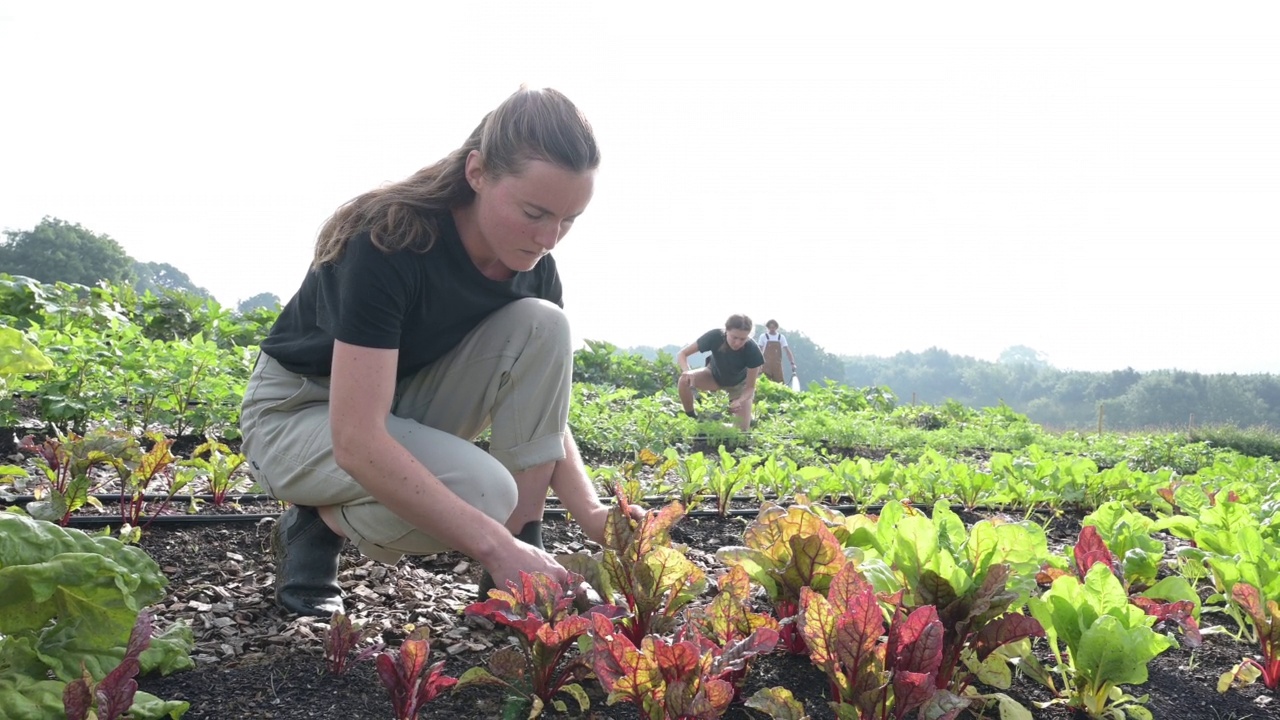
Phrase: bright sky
x=1097 y=180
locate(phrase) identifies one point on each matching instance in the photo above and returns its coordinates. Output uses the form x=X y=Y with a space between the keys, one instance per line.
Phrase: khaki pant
x=511 y=374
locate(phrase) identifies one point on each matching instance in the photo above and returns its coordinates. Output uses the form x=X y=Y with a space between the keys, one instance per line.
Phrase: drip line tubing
x=557 y=513
x=150 y=497
x=229 y=519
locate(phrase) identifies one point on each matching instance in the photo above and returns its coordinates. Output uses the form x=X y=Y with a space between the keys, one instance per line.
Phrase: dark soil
x=255 y=662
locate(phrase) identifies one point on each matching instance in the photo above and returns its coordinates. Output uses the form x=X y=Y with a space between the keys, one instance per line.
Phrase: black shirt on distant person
x=728 y=366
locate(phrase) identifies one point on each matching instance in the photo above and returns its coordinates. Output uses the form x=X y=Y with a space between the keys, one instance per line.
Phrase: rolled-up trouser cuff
x=548 y=448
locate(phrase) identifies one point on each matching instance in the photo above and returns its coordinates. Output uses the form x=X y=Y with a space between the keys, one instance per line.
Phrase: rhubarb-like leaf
x=77 y=698
x=625 y=673
x=407 y=678
x=814 y=560
x=728 y=618
x=341 y=641
x=735 y=655
x=676 y=660
x=910 y=691
x=787 y=549
x=1091 y=549
x=1178 y=613
x=778 y=703
x=1003 y=631
x=843 y=641
x=710 y=699
x=915 y=644
x=1266 y=623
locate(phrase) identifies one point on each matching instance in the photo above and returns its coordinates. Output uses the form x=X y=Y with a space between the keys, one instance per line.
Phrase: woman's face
x=736 y=338
x=517 y=219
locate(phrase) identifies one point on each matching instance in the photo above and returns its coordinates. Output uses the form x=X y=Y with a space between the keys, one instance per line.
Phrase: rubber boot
x=530 y=534
x=306 y=554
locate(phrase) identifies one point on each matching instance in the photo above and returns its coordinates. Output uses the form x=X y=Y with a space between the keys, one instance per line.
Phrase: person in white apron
x=772 y=343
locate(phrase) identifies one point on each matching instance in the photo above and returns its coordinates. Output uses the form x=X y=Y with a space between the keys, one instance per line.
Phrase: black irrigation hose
x=548 y=513
x=229 y=518
x=151 y=497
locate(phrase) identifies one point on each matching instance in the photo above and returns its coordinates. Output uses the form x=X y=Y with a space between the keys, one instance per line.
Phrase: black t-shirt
x=422 y=304
x=729 y=367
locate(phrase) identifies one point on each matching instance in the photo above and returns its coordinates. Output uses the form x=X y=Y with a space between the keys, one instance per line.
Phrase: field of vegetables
x=850 y=557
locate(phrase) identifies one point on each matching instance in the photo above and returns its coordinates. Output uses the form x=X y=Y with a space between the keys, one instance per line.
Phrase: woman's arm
x=682 y=358
x=748 y=390
x=572 y=485
x=361 y=389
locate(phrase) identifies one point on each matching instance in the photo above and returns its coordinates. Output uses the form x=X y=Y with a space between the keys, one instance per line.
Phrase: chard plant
x=18 y=356
x=1108 y=643
x=785 y=550
x=218 y=464
x=114 y=696
x=876 y=671
x=728 y=620
x=640 y=570
x=1127 y=535
x=1171 y=600
x=540 y=610
x=410 y=681
x=778 y=703
x=730 y=477
x=778 y=477
x=693 y=471
x=342 y=644
x=66 y=461
x=69 y=613
x=138 y=470
x=1266 y=623
x=1088 y=551
x=1039 y=479
x=1229 y=539
x=683 y=678
x=865 y=482
x=973 y=579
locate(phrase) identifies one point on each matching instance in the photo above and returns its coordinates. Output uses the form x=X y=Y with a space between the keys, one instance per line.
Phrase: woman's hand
x=593 y=522
x=521 y=557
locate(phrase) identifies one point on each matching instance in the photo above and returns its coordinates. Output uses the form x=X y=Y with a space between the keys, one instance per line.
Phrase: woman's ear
x=474 y=170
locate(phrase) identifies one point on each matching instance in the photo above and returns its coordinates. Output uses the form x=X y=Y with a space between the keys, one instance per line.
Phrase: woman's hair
x=529 y=125
x=738 y=322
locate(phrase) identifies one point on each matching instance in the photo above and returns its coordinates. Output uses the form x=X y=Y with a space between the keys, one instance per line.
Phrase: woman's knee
x=546 y=320
x=466 y=470
x=485 y=485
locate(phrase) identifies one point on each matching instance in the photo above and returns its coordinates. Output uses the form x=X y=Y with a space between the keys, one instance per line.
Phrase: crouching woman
x=431 y=311
x=733 y=366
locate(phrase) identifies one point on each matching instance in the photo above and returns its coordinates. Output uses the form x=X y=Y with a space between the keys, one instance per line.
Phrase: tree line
x=1126 y=399
x=59 y=251
x=1121 y=399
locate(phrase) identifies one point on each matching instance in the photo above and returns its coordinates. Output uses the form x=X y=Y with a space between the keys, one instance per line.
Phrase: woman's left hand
x=593 y=523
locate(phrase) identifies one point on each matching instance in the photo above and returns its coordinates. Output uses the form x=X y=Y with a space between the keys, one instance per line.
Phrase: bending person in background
x=431 y=311
x=772 y=343
x=734 y=365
